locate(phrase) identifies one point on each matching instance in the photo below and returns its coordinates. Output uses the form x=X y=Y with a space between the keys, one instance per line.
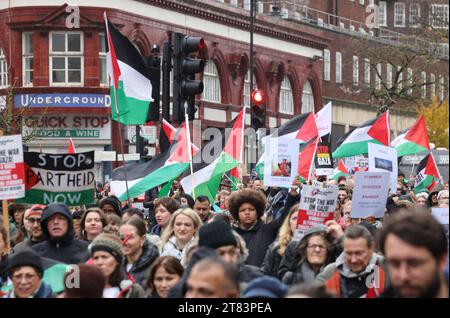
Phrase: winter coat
x=259 y=237
x=272 y=260
x=141 y=268
x=132 y=291
x=3 y=272
x=302 y=274
x=44 y=291
x=27 y=244
x=171 y=249
x=66 y=249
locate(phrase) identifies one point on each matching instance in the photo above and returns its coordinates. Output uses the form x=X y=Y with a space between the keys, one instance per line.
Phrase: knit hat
x=216 y=234
x=423 y=195
x=109 y=243
x=25 y=258
x=265 y=287
x=114 y=202
x=441 y=193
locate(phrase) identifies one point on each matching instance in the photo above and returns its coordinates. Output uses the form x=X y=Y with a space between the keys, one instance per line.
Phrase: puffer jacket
x=272 y=260
x=66 y=249
x=141 y=268
x=171 y=249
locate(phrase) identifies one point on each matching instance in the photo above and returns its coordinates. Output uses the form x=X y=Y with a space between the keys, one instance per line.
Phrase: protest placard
x=382 y=158
x=440 y=214
x=323 y=160
x=12 y=172
x=61 y=178
x=280 y=162
x=370 y=194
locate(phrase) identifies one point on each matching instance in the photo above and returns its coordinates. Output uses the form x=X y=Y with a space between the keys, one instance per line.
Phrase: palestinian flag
x=340 y=171
x=306 y=159
x=235 y=178
x=427 y=174
x=128 y=77
x=210 y=164
x=166 y=135
x=412 y=141
x=163 y=168
x=355 y=141
x=302 y=127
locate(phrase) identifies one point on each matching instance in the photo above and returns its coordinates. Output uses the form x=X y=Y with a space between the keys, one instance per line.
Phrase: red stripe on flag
x=418 y=133
x=308 y=130
x=380 y=129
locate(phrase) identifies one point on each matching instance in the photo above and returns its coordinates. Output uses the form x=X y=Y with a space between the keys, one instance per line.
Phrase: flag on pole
x=412 y=141
x=427 y=174
x=71 y=147
x=355 y=142
x=340 y=171
x=129 y=77
x=306 y=159
x=324 y=119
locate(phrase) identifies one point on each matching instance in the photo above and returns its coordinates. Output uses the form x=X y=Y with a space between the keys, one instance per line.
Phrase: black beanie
x=216 y=234
x=25 y=258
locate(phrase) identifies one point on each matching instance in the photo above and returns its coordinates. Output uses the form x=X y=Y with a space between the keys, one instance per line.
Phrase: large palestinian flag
x=355 y=142
x=144 y=176
x=413 y=141
x=427 y=174
x=218 y=156
x=340 y=171
x=128 y=77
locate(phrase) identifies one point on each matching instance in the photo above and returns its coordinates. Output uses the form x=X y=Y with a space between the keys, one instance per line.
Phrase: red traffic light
x=258 y=97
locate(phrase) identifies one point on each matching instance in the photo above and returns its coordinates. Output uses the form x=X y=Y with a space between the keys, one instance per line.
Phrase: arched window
x=211 y=82
x=286 y=97
x=307 y=98
x=246 y=93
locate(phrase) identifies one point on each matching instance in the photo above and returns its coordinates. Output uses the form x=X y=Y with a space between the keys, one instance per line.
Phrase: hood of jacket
x=49 y=211
x=375 y=260
x=149 y=254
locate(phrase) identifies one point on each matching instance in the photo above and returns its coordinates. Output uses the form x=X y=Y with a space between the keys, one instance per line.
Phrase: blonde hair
x=169 y=231
x=285 y=234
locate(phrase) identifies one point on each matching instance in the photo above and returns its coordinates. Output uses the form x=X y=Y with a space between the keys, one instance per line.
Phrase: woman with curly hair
x=247 y=208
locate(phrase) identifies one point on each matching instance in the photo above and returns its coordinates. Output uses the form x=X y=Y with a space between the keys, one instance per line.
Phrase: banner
x=12 y=175
x=280 y=162
x=382 y=158
x=370 y=194
x=317 y=206
x=59 y=178
x=323 y=160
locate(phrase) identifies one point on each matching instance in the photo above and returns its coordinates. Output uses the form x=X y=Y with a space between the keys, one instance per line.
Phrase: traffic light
x=154 y=70
x=185 y=87
x=141 y=143
x=258 y=110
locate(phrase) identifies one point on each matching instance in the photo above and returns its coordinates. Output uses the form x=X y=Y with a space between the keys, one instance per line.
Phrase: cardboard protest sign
x=12 y=172
x=382 y=158
x=441 y=215
x=61 y=178
x=370 y=194
x=280 y=162
x=317 y=206
x=323 y=160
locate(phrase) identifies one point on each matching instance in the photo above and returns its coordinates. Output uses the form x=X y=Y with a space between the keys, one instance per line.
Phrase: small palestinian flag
x=340 y=171
x=413 y=141
x=427 y=174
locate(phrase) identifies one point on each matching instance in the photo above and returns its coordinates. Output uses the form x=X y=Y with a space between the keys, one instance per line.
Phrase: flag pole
x=312 y=161
x=189 y=147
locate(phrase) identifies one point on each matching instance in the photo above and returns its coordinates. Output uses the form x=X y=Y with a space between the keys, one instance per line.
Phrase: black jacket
x=141 y=268
x=66 y=249
x=272 y=260
x=261 y=235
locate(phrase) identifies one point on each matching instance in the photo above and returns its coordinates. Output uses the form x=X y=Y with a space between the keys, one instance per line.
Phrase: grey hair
x=354 y=232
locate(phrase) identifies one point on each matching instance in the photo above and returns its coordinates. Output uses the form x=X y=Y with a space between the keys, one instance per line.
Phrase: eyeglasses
x=20 y=277
x=315 y=246
x=33 y=220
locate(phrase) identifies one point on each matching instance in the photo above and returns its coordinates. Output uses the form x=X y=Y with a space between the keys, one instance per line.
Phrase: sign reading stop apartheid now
x=12 y=185
x=317 y=206
x=59 y=178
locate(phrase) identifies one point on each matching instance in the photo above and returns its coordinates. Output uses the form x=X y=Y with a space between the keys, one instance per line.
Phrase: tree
x=436 y=116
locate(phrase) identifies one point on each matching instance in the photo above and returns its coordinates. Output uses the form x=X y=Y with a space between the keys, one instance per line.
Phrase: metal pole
x=252 y=18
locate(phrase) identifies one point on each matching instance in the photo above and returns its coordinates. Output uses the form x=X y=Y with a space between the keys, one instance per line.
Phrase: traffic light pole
x=252 y=18
x=166 y=69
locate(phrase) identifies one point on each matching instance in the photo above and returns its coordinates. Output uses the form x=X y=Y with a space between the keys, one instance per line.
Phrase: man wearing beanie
x=60 y=243
x=32 y=224
x=218 y=235
x=26 y=271
x=111 y=205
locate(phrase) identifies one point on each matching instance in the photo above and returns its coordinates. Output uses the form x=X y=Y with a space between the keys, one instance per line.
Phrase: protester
x=432 y=198
x=140 y=253
x=442 y=198
x=183 y=228
x=165 y=273
x=415 y=248
x=16 y=212
x=265 y=287
x=113 y=223
x=185 y=200
x=221 y=199
x=308 y=290
x=32 y=224
x=111 y=205
x=76 y=221
x=106 y=253
x=92 y=224
x=247 y=207
x=26 y=272
x=348 y=276
x=212 y=278
x=128 y=213
x=90 y=283
x=164 y=208
x=202 y=207
x=343 y=194
x=421 y=199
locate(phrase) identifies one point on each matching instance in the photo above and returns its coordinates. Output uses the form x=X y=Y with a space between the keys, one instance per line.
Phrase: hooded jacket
x=141 y=268
x=44 y=291
x=66 y=249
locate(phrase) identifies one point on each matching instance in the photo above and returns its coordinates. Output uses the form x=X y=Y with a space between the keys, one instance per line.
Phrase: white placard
x=105 y=156
x=440 y=214
x=280 y=162
x=12 y=172
x=148 y=132
x=382 y=158
x=370 y=194
x=129 y=156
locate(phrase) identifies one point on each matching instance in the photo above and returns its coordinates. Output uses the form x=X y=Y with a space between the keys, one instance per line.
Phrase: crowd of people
x=243 y=244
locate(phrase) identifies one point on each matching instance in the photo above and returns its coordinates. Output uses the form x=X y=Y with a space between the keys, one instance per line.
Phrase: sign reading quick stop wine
x=12 y=185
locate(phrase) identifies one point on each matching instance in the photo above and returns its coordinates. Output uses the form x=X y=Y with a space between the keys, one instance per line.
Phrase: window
x=367 y=71
x=326 y=65
x=102 y=57
x=382 y=13
x=423 y=77
x=234 y=3
x=246 y=93
x=378 y=77
x=260 y=7
x=441 y=88
x=433 y=84
x=66 y=58
x=307 y=98
x=361 y=2
x=211 y=81
x=414 y=14
x=410 y=80
x=389 y=76
x=400 y=79
x=338 y=67
x=399 y=14
x=355 y=70
x=286 y=98
x=3 y=69
x=247 y=4
x=439 y=16
x=27 y=58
